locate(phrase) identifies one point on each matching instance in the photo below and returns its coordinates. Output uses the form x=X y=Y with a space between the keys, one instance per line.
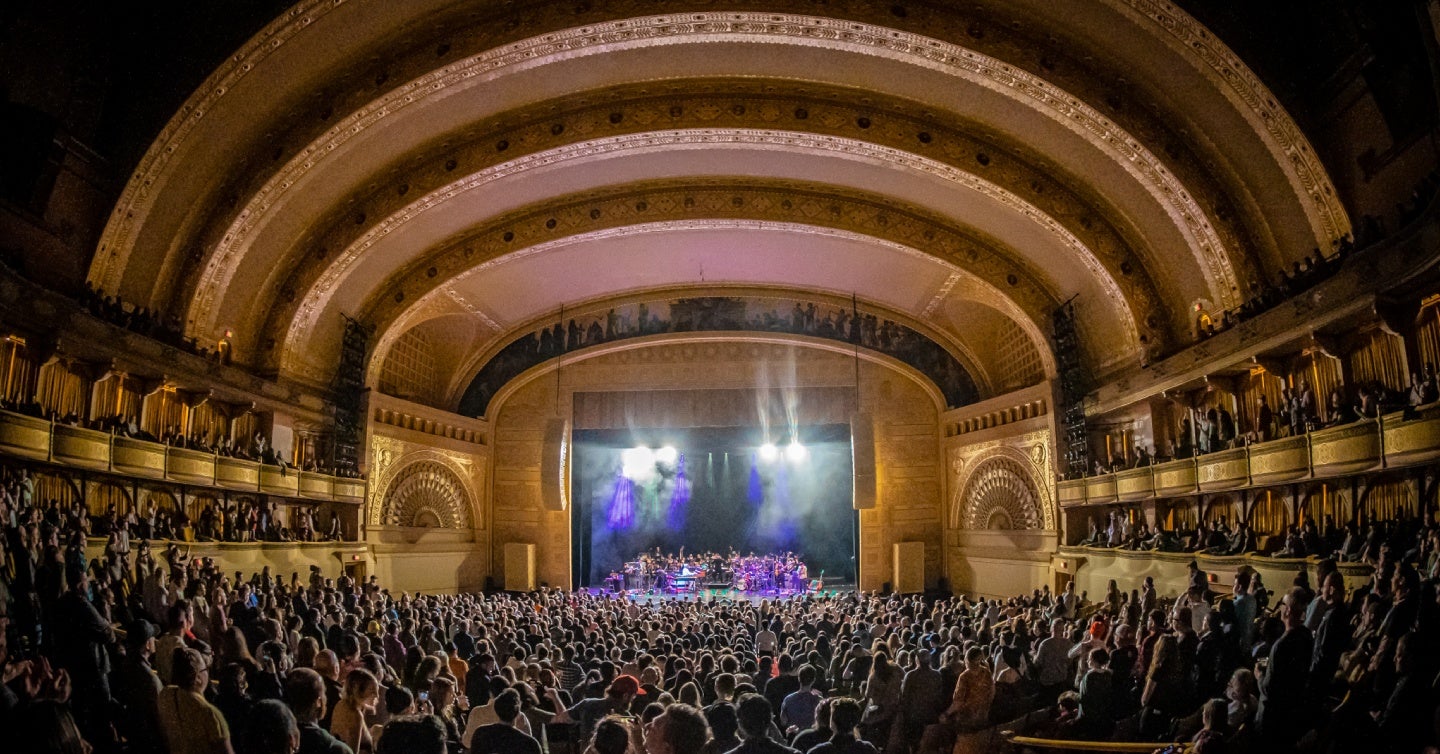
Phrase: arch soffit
x=465 y=372
x=1031 y=91
x=1034 y=476
x=380 y=486
x=743 y=113
x=809 y=209
x=1160 y=19
x=497 y=403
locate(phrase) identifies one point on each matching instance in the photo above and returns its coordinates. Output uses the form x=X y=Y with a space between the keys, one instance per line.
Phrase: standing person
x=305 y=696
x=502 y=737
x=797 y=712
x=1283 y=711
x=357 y=700
x=1052 y=659
x=82 y=641
x=189 y=724
x=969 y=710
x=844 y=718
x=753 y=714
x=922 y=700
x=680 y=729
x=882 y=698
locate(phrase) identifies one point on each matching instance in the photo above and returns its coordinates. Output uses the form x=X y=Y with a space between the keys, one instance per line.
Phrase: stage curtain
x=196 y=503
x=1269 y=517
x=1380 y=359
x=61 y=390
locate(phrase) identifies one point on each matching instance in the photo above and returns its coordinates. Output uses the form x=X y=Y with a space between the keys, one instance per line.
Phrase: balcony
x=1389 y=442
x=89 y=450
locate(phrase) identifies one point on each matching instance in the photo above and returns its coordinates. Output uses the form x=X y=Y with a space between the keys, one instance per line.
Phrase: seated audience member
x=413 y=734
x=305 y=695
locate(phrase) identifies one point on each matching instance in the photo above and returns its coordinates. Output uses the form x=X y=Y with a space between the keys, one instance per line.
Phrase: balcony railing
x=1392 y=441
x=90 y=450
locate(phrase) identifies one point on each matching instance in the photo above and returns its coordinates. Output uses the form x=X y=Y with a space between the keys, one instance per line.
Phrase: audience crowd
x=171 y=654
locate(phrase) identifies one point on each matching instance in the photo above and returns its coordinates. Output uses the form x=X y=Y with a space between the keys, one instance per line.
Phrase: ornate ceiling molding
x=304 y=318
x=806 y=207
x=1028 y=89
x=1227 y=72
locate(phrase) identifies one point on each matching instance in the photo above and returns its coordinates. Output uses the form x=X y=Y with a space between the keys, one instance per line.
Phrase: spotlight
x=795 y=452
x=666 y=455
x=637 y=463
x=768 y=452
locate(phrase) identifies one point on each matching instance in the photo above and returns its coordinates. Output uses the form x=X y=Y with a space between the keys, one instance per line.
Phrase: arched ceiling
x=406 y=161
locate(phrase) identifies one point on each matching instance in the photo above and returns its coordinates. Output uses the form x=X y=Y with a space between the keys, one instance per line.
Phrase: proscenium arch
x=547 y=368
x=1063 y=111
x=470 y=371
x=470 y=367
x=800 y=206
x=1211 y=58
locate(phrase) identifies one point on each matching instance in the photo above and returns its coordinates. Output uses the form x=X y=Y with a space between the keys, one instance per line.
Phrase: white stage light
x=768 y=452
x=637 y=463
x=667 y=455
x=795 y=452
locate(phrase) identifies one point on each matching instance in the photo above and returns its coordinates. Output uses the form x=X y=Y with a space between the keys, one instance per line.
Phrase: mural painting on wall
x=715 y=314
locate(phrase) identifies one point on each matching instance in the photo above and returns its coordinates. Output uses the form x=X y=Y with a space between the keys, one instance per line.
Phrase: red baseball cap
x=626 y=684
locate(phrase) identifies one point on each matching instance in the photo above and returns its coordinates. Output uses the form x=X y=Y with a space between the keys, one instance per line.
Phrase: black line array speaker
x=555 y=466
x=862 y=457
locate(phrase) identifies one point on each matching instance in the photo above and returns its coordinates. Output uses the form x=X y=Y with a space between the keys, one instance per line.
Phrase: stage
x=731 y=594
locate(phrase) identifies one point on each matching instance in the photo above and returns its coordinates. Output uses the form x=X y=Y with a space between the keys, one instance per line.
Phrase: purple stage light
x=679 y=496
x=757 y=490
x=622 y=503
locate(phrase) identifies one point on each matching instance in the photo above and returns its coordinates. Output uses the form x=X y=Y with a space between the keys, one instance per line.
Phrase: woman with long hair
x=969 y=711
x=357 y=700
x=882 y=698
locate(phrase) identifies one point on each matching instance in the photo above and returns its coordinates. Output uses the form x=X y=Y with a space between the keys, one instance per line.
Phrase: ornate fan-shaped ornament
x=426 y=493
x=1001 y=495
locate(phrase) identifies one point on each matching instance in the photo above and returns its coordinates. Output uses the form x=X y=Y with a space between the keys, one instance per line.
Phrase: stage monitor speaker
x=555 y=466
x=908 y=570
x=519 y=567
x=862 y=459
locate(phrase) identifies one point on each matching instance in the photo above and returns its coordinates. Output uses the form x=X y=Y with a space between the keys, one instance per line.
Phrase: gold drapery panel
x=714 y=408
x=1326 y=505
x=1427 y=335
x=1179 y=516
x=1389 y=501
x=243 y=428
x=1225 y=509
x=1268 y=516
x=103 y=495
x=20 y=370
x=1260 y=382
x=1324 y=375
x=160 y=500
x=196 y=503
x=1381 y=358
x=54 y=487
x=210 y=422
x=62 y=391
x=163 y=410
x=115 y=396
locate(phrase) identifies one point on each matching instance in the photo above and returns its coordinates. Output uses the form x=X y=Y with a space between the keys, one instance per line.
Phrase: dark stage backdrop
x=736 y=498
